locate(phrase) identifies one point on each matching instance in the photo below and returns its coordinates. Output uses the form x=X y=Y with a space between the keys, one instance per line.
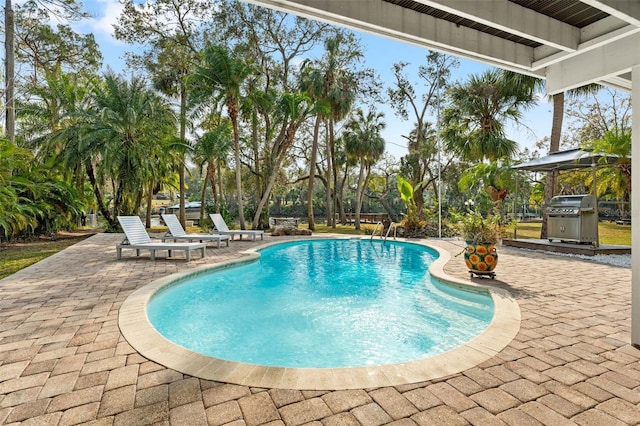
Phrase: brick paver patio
x=63 y=360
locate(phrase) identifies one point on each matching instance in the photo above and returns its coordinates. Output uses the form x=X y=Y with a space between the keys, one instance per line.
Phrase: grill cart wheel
x=477 y=274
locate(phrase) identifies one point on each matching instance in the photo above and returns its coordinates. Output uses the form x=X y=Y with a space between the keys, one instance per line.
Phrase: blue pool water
x=322 y=303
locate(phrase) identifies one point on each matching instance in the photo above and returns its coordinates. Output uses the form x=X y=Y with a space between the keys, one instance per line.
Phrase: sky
x=380 y=54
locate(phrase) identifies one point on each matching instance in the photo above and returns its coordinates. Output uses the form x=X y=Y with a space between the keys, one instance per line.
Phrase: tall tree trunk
x=418 y=198
x=359 y=192
x=272 y=176
x=233 y=114
x=183 y=134
x=96 y=192
x=558 y=117
x=9 y=52
x=340 y=195
x=118 y=207
x=149 y=202
x=211 y=173
x=256 y=150
x=312 y=173
x=331 y=217
x=203 y=194
x=339 y=201
x=334 y=171
x=554 y=146
x=220 y=195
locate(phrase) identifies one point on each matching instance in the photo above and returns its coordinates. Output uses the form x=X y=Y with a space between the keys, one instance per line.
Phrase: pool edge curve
x=145 y=339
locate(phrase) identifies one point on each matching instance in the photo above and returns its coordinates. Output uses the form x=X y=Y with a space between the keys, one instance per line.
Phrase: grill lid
x=571 y=204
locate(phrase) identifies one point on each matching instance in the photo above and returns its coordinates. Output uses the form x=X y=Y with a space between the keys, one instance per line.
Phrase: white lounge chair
x=136 y=238
x=176 y=232
x=222 y=228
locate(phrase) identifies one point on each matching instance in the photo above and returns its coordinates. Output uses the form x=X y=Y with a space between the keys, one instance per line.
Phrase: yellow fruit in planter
x=481 y=250
x=489 y=260
x=481 y=266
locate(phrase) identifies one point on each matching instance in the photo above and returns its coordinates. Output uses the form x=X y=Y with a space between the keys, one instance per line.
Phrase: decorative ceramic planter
x=481 y=258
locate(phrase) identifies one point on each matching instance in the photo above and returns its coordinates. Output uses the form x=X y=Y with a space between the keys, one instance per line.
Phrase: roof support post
x=594 y=170
x=635 y=208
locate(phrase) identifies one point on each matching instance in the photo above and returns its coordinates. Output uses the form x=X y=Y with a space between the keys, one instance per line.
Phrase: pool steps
x=391 y=225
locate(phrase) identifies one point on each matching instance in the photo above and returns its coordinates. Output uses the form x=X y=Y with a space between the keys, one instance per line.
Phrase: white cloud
x=105 y=14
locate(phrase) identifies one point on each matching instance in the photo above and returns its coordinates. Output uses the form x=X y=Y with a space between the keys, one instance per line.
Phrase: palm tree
x=211 y=149
x=223 y=73
x=343 y=162
x=478 y=113
x=47 y=112
x=615 y=142
x=342 y=90
x=52 y=125
x=474 y=122
x=258 y=106
x=51 y=102
x=313 y=82
x=118 y=140
x=363 y=141
x=332 y=85
x=169 y=74
x=126 y=131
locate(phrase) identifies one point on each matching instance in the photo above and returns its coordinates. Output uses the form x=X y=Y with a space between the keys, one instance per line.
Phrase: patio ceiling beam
x=609 y=61
x=628 y=11
x=389 y=20
x=514 y=19
x=598 y=34
x=618 y=82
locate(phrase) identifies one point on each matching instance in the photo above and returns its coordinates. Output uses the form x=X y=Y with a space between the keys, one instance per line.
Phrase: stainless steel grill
x=573 y=218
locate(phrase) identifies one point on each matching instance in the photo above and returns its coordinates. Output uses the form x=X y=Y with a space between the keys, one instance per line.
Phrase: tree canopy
x=255 y=113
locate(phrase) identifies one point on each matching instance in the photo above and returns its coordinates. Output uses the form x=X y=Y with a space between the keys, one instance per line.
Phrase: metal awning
x=567 y=160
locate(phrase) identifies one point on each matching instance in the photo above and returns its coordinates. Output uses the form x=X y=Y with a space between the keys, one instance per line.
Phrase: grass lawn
x=609 y=232
x=16 y=256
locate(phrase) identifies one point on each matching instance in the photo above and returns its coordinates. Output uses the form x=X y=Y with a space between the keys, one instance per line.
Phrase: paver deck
x=64 y=361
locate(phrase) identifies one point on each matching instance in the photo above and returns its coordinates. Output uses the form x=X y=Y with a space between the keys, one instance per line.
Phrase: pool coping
x=144 y=338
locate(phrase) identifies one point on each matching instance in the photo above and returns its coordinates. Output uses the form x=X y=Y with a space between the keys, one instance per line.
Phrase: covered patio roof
x=570 y=43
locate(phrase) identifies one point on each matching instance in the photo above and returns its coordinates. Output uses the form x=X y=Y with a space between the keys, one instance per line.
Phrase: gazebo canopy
x=567 y=160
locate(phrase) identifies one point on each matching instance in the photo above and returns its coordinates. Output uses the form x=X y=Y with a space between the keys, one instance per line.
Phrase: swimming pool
x=322 y=304
x=138 y=331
